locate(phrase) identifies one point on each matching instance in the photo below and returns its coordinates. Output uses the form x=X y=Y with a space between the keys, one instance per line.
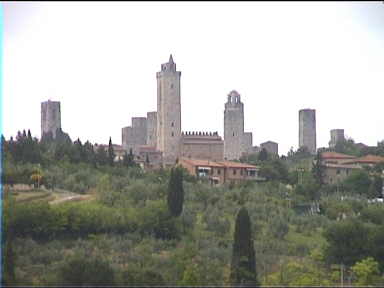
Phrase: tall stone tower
x=233 y=126
x=50 y=117
x=307 y=129
x=337 y=135
x=168 y=112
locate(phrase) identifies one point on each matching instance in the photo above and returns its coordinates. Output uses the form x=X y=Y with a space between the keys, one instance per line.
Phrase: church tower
x=168 y=112
x=233 y=126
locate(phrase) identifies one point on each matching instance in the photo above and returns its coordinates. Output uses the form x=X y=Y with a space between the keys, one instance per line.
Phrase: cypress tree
x=243 y=265
x=175 y=192
x=111 y=153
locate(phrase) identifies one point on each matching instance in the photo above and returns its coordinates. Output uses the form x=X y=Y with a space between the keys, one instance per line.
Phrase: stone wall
x=135 y=135
x=271 y=147
x=50 y=117
x=202 y=145
x=247 y=143
x=151 y=128
x=337 y=135
x=307 y=129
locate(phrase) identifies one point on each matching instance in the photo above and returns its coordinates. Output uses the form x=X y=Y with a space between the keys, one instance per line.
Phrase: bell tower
x=168 y=111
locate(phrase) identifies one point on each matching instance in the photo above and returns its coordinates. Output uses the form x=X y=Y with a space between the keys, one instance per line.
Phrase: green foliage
x=175 y=192
x=7 y=255
x=81 y=270
x=274 y=170
x=243 y=264
x=358 y=182
x=263 y=155
x=347 y=242
x=367 y=272
x=318 y=169
x=111 y=153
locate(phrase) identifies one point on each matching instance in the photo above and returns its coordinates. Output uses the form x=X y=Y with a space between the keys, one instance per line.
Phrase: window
x=234 y=171
x=338 y=171
x=173 y=134
x=241 y=171
x=218 y=171
x=172 y=124
x=233 y=134
x=171 y=86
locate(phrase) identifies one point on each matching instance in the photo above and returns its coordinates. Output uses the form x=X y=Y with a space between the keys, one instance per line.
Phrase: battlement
x=200 y=133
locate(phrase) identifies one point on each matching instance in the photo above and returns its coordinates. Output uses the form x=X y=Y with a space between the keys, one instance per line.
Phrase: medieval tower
x=337 y=135
x=307 y=129
x=168 y=112
x=50 y=117
x=236 y=141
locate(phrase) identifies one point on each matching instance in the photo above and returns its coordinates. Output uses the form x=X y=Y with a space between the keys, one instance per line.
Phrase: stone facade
x=307 y=129
x=202 y=145
x=135 y=135
x=151 y=129
x=337 y=135
x=168 y=112
x=236 y=142
x=271 y=147
x=50 y=117
x=247 y=143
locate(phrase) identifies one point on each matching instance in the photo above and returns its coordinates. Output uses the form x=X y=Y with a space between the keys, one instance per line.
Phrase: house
x=220 y=172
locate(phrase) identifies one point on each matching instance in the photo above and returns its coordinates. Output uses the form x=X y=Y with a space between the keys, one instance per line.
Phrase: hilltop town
x=171 y=207
x=158 y=140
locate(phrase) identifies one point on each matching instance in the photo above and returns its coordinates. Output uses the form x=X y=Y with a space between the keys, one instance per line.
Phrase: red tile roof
x=335 y=155
x=236 y=164
x=199 y=162
x=369 y=159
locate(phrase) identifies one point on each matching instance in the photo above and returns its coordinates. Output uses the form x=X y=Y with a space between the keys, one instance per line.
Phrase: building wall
x=168 y=112
x=135 y=135
x=151 y=128
x=337 y=135
x=247 y=142
x=233 y=126
x=307 y=129
x=209 y=147
x=50 y=117
x=271 y=147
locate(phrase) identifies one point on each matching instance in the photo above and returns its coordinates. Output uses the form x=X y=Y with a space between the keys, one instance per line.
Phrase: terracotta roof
x=369 y=159
x=236 y=164
x=199 y=162
x=335 y=155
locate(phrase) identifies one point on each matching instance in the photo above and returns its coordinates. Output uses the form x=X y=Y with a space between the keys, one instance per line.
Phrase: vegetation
x=166 y=227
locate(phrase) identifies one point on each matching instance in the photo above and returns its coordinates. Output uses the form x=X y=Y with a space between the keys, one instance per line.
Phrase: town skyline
x=90 y=83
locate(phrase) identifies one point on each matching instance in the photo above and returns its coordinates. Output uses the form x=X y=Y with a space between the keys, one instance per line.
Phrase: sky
x=99 y=59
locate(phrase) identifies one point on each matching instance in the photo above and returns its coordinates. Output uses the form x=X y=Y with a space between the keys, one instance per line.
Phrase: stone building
x=50 y=117
x=152 y=129
x=221 y=172
x=271 y=147
x=337 y=135
x=135 y=135
x=307 y=129
x=202 y=145
x=236 y=142
x=159 y=134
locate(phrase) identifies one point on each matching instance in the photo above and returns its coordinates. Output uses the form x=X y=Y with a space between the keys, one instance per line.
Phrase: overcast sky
x=99 y=59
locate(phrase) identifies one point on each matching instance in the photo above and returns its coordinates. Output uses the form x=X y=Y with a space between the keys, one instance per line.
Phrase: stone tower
x=50 y=117
x=307 y=129
x=151 y=128
x=233 y=126
x=337 y=135
x=168 y=112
